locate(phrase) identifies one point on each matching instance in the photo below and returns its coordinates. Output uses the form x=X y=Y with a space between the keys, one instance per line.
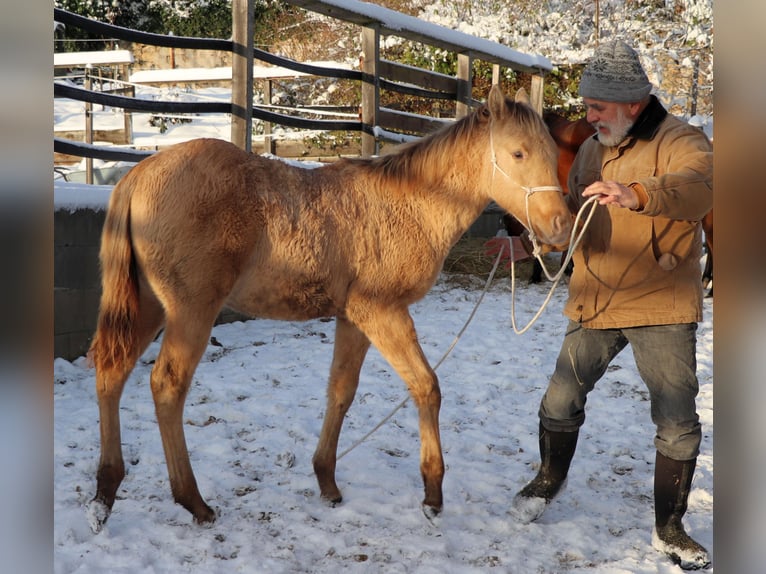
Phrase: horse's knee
x=428 y=398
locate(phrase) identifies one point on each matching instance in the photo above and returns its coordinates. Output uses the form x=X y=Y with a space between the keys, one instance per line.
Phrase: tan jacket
x=642 y=267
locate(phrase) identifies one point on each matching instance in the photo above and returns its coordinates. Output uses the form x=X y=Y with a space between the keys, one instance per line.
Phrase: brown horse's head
x=569 y=136
x=524 y=179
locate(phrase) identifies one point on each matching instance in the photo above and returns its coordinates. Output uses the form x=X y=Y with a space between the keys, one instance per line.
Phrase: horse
x=204 y=224
x=569 y=136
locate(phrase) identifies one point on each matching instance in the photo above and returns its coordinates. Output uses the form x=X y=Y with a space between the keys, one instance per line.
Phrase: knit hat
x=614 y=74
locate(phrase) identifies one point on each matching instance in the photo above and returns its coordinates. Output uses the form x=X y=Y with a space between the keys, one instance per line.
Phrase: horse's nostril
x=561 y=224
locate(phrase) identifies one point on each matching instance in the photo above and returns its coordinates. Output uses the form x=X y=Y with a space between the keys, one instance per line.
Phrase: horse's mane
x=413 y=160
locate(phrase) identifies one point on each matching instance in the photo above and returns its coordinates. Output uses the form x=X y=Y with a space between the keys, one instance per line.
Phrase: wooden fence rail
x=375 y=123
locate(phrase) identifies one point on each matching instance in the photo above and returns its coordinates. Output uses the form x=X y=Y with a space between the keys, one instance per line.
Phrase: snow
x=223 y=73
x=255 y=408
x=392 y=22
x=252 y=420
x=75 y=196
x=71 y=59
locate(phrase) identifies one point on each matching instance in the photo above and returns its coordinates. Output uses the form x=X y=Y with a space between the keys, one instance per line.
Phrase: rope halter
x=528 y=191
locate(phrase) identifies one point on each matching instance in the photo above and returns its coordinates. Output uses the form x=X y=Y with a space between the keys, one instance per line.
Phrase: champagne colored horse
x=569 y=136
x=203 y=225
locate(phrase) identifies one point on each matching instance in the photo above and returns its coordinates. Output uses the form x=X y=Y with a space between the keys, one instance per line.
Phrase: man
x=637 y=281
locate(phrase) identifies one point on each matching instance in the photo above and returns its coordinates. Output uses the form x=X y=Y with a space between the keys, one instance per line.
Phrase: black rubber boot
x=672 y=482
x=556 y=452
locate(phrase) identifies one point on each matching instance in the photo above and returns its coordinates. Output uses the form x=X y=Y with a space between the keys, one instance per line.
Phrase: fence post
x=242 y=74
x=536 y=95
x=269 y=144
x=464 y=85
x=88 y=124
x=127 y=115
x=370 y=86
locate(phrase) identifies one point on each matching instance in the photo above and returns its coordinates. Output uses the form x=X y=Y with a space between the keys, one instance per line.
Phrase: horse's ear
x=496 y=101
x=522 y=96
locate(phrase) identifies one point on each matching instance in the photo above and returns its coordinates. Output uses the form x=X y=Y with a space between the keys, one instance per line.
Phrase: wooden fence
x=374 y=123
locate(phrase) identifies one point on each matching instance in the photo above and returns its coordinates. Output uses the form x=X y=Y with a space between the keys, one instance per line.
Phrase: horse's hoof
x=206 y=517
x=97 y=513
x=431 y=513
x=333 y=502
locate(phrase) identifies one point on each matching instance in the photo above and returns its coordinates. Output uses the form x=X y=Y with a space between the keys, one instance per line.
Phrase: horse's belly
x=289 y=301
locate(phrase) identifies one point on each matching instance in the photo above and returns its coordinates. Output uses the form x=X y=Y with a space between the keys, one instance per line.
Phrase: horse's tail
x=115 y=341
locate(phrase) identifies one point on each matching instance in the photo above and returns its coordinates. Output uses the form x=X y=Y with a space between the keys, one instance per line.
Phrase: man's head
x=615 y=90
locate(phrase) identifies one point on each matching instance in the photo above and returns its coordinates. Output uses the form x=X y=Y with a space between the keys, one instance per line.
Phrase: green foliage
x=201 y=19
x=274 y=21
x=211 y=19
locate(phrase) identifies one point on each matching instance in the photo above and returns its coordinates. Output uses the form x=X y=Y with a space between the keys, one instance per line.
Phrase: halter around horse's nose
x=528 y=192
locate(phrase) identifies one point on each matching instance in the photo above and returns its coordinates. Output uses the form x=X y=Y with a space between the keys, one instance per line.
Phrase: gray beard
x=618 y=132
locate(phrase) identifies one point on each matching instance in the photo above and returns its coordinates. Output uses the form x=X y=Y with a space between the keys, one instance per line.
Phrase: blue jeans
x=666 y=359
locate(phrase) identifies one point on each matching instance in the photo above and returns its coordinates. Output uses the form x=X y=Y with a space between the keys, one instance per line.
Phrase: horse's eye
x=518 y=154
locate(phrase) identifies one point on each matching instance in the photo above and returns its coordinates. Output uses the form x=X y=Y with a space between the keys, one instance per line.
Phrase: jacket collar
x=649 y=121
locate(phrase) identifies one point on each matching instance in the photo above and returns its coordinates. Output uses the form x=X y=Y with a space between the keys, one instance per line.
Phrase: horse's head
x=522 y=164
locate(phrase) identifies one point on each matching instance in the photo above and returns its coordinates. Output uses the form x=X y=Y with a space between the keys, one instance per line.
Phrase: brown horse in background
x=203 y=225
x=569 y=136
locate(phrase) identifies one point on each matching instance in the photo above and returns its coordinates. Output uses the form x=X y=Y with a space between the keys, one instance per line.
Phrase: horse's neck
x=451 y=199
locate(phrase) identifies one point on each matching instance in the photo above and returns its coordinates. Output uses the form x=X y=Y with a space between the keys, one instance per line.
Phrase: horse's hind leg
x=351 y=347
x=110 y=382
x=183 y=343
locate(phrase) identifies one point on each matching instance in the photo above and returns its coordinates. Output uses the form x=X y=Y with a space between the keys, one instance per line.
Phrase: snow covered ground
x=254 y=413
x=252 y=420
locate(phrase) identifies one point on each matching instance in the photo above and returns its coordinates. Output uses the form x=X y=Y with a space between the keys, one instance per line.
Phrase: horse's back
x=212 y=222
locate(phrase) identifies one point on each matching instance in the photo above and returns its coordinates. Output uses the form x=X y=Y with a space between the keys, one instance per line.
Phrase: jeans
x=665 y=356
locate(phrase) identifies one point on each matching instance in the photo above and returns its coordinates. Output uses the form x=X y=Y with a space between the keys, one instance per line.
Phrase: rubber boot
x=672 y=482
x=556 y=452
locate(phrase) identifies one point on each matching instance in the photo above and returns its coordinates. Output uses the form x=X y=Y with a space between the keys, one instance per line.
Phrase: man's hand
x=612 y=192
x=496 y=244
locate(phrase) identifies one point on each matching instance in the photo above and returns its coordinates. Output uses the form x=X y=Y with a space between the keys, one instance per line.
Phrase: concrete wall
x=76 y=280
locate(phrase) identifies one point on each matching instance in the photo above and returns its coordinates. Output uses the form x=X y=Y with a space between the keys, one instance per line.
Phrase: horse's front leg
x=393 y=333
x=351 y=347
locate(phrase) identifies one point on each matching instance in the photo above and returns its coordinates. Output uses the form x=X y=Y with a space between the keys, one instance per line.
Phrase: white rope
x=574 y=241
x=444 y=356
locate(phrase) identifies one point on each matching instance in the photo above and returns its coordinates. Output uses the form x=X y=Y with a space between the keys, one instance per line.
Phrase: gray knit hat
x=614 y=74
